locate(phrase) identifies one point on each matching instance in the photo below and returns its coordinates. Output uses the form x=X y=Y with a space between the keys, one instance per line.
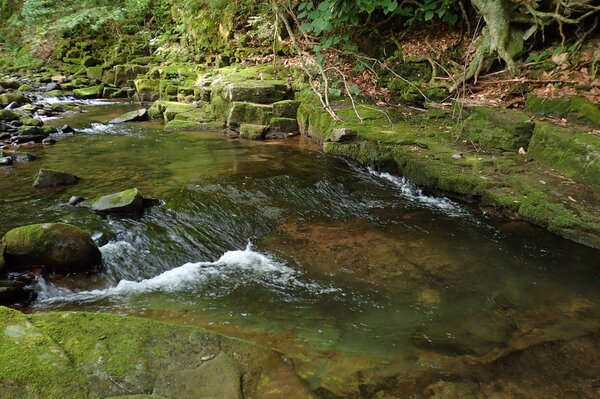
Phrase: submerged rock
x=128 y=201
x=74 y=355
x=52 y=178
x=9 y=98
x=133 y=116
x=58 y=247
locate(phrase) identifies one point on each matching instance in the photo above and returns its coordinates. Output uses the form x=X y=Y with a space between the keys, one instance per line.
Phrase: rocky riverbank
x=539 y=164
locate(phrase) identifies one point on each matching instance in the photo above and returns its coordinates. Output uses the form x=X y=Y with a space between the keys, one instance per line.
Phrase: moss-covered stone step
x=84 y=356
x=256 y=91
x=576 y=109
x=573 y=152
x=498 y=128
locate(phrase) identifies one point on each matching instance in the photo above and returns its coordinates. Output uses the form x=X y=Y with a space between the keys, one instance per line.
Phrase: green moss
x=25 y=88
x=89 y=92
x=244 y=112
x=175 y=108
x=95 y=72
x=286 y=109
x=284 y=125
x=574 y=152
x=577 y=109
x=498 y=128
x=148 y=89
x=125 y=201
x=253 y=132
x=8 y=98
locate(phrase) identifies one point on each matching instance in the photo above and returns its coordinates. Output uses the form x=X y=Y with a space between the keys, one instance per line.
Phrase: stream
x=337 y=266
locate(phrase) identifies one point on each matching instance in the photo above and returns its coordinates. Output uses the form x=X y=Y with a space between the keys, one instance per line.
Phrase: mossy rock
x=58 y=247
x=256 y=91
x=498 y=128
x=178 y=124
x=8 y=115
x=89 y=92
x=247 y=112
x=125 y=74
x=8 y=98
x=284 y=125
x=174 y=108
x=148 y=89
x=132 y=116
x=89 y=61
x=27 y=121
x=576 y=109
x=286 y=109
x=574 y=152
x=54 y=93
x=25 y=88
x=95 y=72
x=128 y=201
x=253 y=132
x=75 y=355
x=46 y=178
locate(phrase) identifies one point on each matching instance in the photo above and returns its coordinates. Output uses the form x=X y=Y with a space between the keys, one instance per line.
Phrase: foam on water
x=413 y=193
x=231 y=270
x=106 y=128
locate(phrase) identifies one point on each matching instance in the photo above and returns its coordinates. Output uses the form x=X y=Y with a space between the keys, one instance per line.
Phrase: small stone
x=49 y=141
x=67 y=129
x=128 y=201
x=207 y=358
x=76 y=199
x=457 y=156
x=6 y=161
x=22 y=157
x=522 y=151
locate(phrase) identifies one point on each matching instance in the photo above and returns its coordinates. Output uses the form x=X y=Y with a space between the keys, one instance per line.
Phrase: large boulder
x=133 y=116
x=128 y=201
x=58 y=247
x=53 y=178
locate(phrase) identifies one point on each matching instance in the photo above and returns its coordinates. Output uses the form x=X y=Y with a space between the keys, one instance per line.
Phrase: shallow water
x=321 y=259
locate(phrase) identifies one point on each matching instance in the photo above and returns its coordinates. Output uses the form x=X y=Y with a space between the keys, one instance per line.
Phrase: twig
x=119 y=385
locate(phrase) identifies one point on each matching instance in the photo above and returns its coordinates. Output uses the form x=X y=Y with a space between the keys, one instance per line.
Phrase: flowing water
x=339 y=267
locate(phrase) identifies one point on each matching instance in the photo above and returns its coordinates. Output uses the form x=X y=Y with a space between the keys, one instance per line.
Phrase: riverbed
x=339 y=267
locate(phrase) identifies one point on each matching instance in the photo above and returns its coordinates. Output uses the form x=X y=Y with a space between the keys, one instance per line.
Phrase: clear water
x=338 y=267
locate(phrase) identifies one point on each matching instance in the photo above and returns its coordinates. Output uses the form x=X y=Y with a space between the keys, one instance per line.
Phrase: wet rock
x=66 y=129
x=6 y=161
x=342 y=134
x=75 y=200
x=25 y=130
x=133 y=116
x=58 y=247
x=283 y=127
x=52 y=86
x=128 y=201
x=25 y=88
x=52 y=178
x=12 y=292
x=48 y=141
x=22 y=157
x=27 y=138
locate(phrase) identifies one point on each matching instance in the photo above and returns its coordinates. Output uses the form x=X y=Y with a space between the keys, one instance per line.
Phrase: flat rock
x=342 y=134
x=6 y=161
x=133 y=116
x=53 y=178
x=128 y=201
